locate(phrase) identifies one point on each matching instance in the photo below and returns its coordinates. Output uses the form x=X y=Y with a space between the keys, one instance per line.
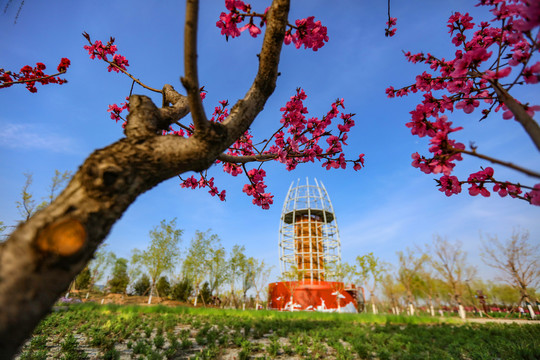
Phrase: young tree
x=247 y=277
x=370 y=271
x=450 y=263
x=100 y=264
x=182 y=290
x=163 y=286
x=260 y=280
x=2 y=227
x=217 y=268
x=500 y=56
x=409 y=274
x=393 y=291
x=119 y=279
x=162 y=253
x=518 y=260
x=235 y=266
x=27 y=205
x=142 y=286
x=83 y=280
x=196 y=264
x=69 y=230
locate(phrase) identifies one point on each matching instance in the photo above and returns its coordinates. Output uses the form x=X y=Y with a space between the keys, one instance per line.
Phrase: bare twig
x=497 y=161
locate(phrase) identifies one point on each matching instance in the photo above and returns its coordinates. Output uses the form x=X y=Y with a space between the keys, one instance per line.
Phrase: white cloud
x=34 y=137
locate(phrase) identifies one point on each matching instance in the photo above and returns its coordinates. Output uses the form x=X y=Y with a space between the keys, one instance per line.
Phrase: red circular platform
x=312 y=295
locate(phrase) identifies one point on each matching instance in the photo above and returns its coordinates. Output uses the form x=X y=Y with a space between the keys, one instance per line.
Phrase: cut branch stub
x=64 y=238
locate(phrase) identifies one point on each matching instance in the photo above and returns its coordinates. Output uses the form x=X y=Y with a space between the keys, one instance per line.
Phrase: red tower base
x=312 y=295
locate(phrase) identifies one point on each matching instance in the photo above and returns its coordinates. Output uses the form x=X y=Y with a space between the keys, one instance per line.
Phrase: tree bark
x=43 y=255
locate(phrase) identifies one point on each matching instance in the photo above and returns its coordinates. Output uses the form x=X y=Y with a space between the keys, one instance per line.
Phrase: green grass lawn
x=156 y=332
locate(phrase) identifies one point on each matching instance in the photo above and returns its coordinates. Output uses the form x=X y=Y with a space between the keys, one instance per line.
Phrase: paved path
x=502 y=321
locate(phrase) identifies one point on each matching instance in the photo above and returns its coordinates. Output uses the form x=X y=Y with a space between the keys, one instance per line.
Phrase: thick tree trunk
x=43 y=255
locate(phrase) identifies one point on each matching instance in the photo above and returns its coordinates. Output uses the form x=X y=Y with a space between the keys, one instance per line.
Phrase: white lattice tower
x=308 y=234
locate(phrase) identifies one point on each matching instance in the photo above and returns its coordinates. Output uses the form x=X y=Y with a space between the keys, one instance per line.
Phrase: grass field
x=157 y=332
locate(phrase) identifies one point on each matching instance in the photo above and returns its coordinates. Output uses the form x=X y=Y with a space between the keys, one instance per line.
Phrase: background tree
x=2 y=229
x=409 y=274
x=119 y=277
x=142 y=286
x=260 y=280
x=235 y=266
x=182 y=290
x=83 y=280
x=162 y=253
x=393 y=291
x=450 y=263
x=370 y=270
x=217 y=267
x=205 y=295
x=100 y=264
x=27 y=205
x=247 y=277
x=518 y=260
x=163 y=286
x=428 y=286
x=196 y=264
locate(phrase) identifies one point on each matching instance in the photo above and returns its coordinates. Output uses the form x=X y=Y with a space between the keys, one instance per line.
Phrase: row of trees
x=440 y=274
x=206 y=269
x=437 y=275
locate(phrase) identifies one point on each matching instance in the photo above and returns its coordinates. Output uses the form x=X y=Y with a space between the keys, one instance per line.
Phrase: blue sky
x=385 y=207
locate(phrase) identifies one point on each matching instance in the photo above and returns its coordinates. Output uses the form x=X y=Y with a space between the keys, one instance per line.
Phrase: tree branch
x=6 y=84
x=245 y=110
x=191 y=78
x=497 y=161
x=245 y=159
x=528 y=123
x=131 y=76
x=180 y=104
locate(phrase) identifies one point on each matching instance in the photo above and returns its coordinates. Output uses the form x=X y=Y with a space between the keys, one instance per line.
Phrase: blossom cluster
x=389 y=31
x=97 y=49
x=193 y=183
x=305 y=32
x=467 y=82
x=256 y=188
x=478 y=182
x=31 y=75
x=116 y=110
x=298 y=140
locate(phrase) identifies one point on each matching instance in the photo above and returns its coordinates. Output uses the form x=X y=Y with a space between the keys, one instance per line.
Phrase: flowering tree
x=492 y=59
x=44 y=254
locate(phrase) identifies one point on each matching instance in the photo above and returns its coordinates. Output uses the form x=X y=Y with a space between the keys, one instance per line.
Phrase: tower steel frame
x=308 y=234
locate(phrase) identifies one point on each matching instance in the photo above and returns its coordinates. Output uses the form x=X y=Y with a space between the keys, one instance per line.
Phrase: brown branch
x=245 y=159
x=180 y=104
x=132 y=77
x=245 y=110
x=528 y=123
x=497 y=161
x=191 y=78
x=32 y=80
